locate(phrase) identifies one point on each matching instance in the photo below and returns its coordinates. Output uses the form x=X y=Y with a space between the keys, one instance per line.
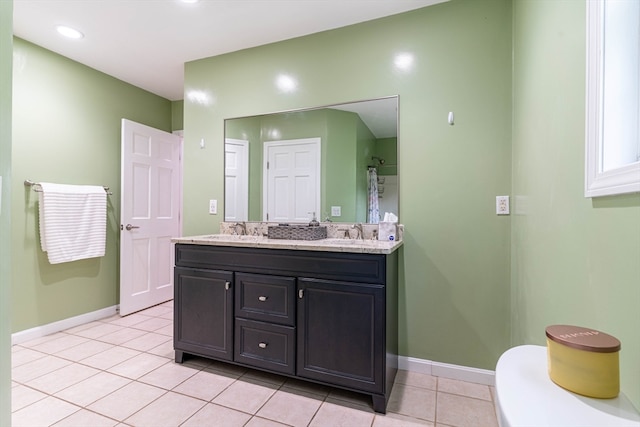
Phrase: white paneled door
x=236 y=180
x=149 y=215
x=291 y=180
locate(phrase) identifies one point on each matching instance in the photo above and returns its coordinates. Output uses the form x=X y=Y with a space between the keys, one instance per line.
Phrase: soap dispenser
x=314 y=222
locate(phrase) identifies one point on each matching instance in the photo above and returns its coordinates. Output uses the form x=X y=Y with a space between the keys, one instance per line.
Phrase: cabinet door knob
x=300 y=293
x=262 y=298
x=227 y=285
x=263 y=345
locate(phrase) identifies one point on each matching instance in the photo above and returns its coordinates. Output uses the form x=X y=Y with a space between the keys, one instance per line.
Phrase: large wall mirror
x=613 y=98
x=286 y=166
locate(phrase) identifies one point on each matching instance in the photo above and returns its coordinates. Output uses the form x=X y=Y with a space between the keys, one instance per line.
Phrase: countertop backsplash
x=335 y=230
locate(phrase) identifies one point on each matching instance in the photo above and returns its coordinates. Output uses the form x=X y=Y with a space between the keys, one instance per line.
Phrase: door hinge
x=267 y=165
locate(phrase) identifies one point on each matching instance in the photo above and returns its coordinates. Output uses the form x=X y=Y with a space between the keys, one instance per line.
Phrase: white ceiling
x=380 y=115
x=146 y=42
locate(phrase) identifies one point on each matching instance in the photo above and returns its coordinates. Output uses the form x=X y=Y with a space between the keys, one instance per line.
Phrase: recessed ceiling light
x=72 y=33
x=286 y=83
x=404 y=61
x=199 y=97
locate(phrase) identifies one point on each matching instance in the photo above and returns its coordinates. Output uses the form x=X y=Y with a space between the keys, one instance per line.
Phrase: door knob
x=130 y=227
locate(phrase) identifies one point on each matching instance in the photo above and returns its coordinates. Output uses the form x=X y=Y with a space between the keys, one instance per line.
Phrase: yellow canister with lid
x=584 y=361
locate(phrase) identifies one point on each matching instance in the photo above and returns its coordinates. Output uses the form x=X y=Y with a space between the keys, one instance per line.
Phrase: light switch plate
x=502 y=205
x=213 y=207
x=336 y=211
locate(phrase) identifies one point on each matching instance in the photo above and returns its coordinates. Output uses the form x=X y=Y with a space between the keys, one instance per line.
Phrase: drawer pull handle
x=227 y=285
x=300 y=293
x=263 y=345
x=262 y=298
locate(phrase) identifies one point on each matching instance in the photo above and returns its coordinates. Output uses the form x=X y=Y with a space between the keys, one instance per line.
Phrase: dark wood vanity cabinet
x=327 y=317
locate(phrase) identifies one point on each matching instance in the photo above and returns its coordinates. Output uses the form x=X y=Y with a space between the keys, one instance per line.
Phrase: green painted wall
x=66 y=128
x=454 y=295
x=339 y=184
x=177 y=119
x=387 y=148
x=575 y=260
x=6 y=60
x=365 y=150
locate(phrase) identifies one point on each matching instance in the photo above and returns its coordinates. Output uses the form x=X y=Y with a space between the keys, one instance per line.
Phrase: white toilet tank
x=526 y=397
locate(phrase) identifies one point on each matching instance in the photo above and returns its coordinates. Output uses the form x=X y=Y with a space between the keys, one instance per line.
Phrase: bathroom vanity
x=322 y=311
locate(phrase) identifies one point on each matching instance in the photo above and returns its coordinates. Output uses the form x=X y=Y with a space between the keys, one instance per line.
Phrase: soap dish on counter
x=297 y=232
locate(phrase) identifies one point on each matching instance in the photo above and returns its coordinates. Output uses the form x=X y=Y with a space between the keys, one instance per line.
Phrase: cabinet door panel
x=341 y=333
x=203 y=313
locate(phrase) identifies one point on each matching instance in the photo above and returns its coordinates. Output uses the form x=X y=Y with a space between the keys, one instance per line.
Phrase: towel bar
x=36 y=187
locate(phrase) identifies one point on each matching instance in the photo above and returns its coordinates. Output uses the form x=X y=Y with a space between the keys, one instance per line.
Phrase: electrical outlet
x=502 y=205
x=213 y=207
x=336 y=211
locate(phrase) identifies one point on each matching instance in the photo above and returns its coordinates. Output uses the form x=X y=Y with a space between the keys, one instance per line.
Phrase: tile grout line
x=435 y=403
x=325 y=398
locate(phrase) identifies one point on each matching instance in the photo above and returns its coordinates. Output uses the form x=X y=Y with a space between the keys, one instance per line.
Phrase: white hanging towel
x=73 y=221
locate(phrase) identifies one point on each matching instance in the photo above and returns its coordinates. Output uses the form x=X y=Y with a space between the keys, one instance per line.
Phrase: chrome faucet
x=243 y=228
x=358 y=227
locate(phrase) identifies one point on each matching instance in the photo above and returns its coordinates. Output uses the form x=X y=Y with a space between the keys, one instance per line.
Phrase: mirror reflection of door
x=236 y=180
x=352 y=134
x=291 y=180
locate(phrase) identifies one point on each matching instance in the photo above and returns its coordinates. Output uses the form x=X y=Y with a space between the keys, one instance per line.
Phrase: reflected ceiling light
x=199 y=97
x=69 y=32
x=189 y=1
x=286 y=83
x=403 y=61
x=274 y=134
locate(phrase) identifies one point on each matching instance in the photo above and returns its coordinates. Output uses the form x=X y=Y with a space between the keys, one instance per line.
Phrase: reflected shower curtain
x=373 y=212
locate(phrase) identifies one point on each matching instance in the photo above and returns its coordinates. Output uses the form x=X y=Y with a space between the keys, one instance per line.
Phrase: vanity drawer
x=266 y=298
x=265 y=345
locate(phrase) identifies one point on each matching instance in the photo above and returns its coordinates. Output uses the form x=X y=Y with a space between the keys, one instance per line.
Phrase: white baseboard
x=445 y=370
x=51 y=328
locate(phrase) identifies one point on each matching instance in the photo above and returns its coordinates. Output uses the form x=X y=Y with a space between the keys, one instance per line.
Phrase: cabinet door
x=203 y=313
x=341 y=333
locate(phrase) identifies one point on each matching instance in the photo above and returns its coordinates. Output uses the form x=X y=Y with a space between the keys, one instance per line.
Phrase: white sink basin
x=232 y=237
x=350 y=242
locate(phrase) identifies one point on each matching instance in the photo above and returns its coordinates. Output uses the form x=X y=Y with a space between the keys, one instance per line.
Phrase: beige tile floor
x=120 y=372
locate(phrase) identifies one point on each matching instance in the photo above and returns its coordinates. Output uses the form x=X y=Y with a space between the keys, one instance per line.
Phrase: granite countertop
x=327 y=245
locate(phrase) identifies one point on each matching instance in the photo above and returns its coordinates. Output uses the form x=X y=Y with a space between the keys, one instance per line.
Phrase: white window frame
x=624 y=179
